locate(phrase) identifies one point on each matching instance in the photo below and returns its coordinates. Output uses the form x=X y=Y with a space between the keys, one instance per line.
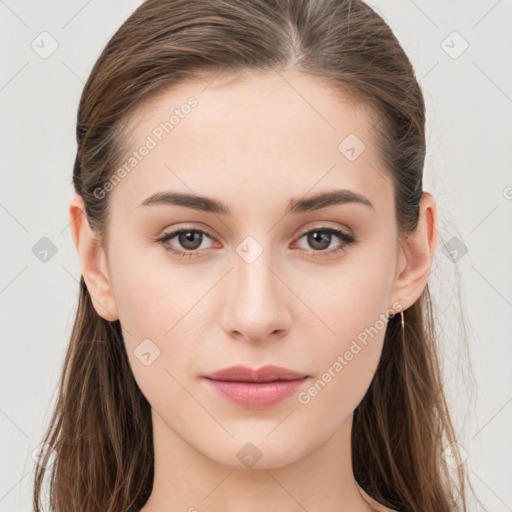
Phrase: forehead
x=275 y=135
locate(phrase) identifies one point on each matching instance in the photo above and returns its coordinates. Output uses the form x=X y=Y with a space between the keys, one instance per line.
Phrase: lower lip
x=253 y=395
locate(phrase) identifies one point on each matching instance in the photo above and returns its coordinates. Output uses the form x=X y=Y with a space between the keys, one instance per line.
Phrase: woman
x=254 y=326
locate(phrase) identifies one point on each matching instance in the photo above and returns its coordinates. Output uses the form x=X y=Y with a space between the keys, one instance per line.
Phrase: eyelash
x=346 y=240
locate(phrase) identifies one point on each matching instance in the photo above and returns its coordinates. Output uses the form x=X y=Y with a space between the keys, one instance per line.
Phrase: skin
x=253 y=143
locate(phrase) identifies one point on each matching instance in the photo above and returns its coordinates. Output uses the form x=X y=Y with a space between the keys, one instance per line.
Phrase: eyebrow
x=296 y=206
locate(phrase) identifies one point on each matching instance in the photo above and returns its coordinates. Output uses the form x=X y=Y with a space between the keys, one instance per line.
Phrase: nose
x=257 y=304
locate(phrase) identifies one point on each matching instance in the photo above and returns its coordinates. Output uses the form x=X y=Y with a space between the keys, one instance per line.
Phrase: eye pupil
x=190 y=237
x=319 y=237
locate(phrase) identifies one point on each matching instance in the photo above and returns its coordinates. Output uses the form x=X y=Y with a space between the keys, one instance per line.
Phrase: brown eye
x=319 y=239
x=188 y=241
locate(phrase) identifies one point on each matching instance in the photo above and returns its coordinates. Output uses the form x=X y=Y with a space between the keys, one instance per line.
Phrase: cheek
x=160 y=314
x=151 y=293
x=349 y=350
x=153 y=317
x=346 y=359
x=346 y=365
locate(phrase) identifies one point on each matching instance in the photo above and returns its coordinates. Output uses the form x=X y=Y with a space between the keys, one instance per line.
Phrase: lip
x=267 y=373
x=255 y=389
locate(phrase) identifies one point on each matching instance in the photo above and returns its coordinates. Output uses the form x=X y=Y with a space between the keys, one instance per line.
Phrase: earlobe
x=418 y=249
x=92 y=260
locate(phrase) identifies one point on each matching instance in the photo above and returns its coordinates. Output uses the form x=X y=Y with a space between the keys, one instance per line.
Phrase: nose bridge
x=255 y=283
x=257 y=298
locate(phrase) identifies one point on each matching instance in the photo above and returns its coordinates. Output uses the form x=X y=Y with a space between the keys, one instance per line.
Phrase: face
x=267 y=278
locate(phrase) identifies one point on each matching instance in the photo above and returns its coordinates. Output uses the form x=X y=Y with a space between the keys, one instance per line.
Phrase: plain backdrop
x=461 y=54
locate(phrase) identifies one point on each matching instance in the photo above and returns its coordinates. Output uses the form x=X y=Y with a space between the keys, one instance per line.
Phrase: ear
x=93 y=260
x=415 y=256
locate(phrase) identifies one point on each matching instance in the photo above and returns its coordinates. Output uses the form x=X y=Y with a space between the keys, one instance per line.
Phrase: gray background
x=469 y=103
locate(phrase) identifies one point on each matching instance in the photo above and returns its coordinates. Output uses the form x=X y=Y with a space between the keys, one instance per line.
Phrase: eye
x=320 y=239
x=191 y=239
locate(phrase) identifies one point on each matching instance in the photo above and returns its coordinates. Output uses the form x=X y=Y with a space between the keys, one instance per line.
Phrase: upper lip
x=267 y=373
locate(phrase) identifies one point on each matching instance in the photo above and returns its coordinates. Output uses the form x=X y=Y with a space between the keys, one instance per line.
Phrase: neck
x=187 y=480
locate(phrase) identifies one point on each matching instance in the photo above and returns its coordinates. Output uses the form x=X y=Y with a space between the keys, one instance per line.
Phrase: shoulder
x=374 y=504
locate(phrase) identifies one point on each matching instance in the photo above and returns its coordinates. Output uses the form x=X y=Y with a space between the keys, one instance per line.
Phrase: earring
x=402 y=319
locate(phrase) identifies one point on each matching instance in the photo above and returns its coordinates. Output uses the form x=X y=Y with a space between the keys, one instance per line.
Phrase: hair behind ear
x=101 y=425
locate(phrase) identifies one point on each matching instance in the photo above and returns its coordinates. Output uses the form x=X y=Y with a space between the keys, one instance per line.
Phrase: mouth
x=255 y=389
x=269 y=373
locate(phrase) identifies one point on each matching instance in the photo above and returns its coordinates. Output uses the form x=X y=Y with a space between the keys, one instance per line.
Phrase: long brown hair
x=101 y=427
